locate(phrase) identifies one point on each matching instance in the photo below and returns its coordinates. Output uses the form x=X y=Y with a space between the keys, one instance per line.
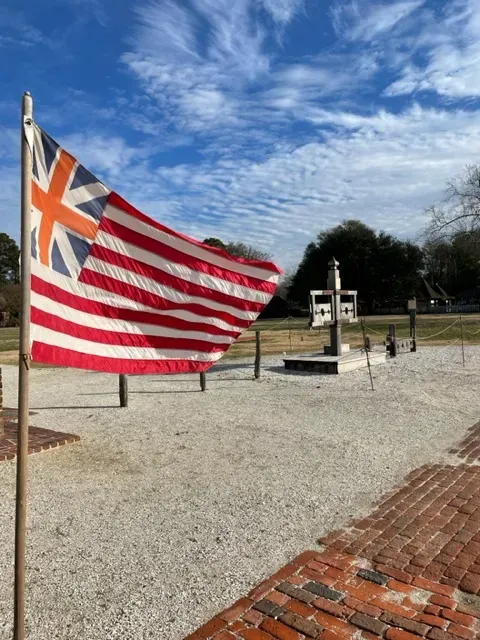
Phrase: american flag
x=113 y=290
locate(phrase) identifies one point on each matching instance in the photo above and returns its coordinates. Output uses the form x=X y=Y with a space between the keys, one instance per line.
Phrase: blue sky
x=257 y=120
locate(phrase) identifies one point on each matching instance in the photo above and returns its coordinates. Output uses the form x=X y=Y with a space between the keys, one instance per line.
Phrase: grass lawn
x=293 y=335
x=8 y=339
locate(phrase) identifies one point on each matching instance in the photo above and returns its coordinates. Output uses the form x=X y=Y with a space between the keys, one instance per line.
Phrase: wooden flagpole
x=24 y=367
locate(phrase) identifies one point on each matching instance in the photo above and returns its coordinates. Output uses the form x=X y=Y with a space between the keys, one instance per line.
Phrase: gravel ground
x=171 y=509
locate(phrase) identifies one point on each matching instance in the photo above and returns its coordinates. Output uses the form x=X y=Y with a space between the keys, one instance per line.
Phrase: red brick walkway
x=409 y=570
x=331 y=594
x=38 y=439
x=429 y=528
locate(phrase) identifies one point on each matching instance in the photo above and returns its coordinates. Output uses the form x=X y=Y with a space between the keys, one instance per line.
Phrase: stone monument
x=337 y=307
x=336 y=310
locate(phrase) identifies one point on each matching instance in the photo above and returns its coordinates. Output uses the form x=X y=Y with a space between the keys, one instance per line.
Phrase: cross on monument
x=336 y=312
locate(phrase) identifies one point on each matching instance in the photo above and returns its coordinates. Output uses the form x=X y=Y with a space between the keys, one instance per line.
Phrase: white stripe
x=120 y=326
x=56 y=339
x=125 y=219
x=105 y=297
x=43 y=179
x=180 y=271
x=173 y=295
x=86 y=192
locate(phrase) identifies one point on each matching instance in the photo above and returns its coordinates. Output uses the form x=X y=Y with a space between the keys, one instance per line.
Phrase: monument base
x=333 y=365
x=327 y=349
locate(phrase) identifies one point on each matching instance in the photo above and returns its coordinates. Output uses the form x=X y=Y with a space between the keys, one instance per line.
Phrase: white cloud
x=452 y=50
x=382 y=169
x=109 y=156
x=285 y=147
x=282 y=11
x=366 y=20
x=196 y=60
x=16 y=31
x=165 y=31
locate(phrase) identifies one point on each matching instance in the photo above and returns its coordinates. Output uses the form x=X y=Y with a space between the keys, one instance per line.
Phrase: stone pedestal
x=333 y=365
x=329 y=351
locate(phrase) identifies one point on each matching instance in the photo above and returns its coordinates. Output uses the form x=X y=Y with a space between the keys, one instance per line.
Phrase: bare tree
x=242 y=250
x=459 y=212
x=239 y=249
x=285 y=282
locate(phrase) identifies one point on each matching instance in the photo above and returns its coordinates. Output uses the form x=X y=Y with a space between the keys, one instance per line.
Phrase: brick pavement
x=469 y=448
x=38 y=439
x=409 y=570
x=429 y=528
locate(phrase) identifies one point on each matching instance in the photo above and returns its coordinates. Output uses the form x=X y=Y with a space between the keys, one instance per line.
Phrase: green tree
x=9 y=259
x=215 y=242
x=10 y=297
x=380 y=266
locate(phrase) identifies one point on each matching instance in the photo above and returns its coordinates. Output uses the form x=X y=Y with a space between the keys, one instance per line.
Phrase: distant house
x=430 y=296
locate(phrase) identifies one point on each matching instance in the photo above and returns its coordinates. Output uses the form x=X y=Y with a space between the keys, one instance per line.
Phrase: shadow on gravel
x=83 y=406
x=289 y=372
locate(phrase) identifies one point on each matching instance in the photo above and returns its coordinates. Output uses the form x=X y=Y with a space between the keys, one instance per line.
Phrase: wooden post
x=203 y=381
x=123 y=389
x=368 y=343
x=290 y=334
x=412 y=311
x=463 y=345
x=258 y=354
x=392 y=332
x=413 y=329
x=24 y=367
x=367 y=352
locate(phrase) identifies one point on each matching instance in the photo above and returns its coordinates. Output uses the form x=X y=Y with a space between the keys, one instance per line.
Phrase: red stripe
x=175 y=255
x=163 y=278
x=103 y=336
x=152 y=300
x=119 y=313
x=61 y=357
x=117 y=201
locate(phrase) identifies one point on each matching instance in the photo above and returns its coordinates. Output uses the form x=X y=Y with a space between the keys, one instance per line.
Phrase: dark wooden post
x=203 y=381
x=412 y=311
x=123 y=389
x=392 y=332
x=463 y=345
x=368 y=343
x=258 y=353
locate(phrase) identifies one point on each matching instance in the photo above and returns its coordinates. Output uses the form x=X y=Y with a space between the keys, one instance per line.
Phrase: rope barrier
x=434 y=335
x=448 y=346
x=472 y=333
x=277 y=325
x=380 y=333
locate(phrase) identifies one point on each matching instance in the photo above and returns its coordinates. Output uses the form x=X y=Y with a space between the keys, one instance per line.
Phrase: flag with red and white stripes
x=113 y=290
